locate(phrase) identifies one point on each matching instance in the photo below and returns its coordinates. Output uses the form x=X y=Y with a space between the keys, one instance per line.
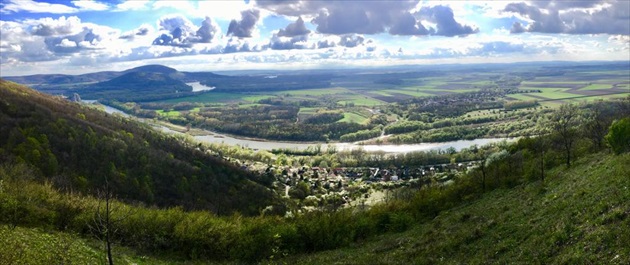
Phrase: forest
x=82 y=150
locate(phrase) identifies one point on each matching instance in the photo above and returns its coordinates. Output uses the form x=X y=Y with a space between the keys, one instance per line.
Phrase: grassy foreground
x=578 y=216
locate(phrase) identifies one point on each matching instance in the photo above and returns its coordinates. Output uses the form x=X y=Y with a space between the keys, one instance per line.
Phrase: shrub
x=618 y=136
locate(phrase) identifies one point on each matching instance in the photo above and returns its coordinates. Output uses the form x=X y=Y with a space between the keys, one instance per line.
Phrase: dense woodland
x=82 y=150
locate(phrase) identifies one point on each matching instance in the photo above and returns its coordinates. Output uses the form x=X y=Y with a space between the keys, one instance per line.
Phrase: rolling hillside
x=82 y=149
x=579 y=216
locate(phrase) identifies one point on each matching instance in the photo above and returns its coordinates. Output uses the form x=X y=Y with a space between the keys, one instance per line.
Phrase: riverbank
x=208 y=136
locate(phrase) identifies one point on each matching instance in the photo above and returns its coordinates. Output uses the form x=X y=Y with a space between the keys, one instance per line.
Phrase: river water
x=197 y=86
x=213 y=137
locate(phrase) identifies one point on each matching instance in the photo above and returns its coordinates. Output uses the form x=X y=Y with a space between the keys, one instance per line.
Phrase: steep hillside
x=579 y=216
x=81 y=149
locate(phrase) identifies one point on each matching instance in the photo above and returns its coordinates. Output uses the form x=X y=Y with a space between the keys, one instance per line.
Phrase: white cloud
x=66 y=43
x=90 y=5
x=14 y=6
x=130 y=5
x=55 y=27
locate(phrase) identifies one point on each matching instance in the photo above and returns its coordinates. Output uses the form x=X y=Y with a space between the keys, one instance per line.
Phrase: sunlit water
x=197 y=86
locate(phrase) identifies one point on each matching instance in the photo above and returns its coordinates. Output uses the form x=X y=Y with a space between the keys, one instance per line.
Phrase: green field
x=170 y=114
x=596 y=87
x=209 y=97
x=353 y=117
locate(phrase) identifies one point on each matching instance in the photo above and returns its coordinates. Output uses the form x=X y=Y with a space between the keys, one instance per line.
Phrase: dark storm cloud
x=294 y=29
x=571 y=17
x=244 y=27
x=445 y=19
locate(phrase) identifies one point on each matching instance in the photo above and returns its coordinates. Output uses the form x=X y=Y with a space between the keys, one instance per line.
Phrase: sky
x=74 y=37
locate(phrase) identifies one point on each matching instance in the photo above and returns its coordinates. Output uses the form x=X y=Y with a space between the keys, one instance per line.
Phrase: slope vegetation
x=579 y=216
x=81 y=149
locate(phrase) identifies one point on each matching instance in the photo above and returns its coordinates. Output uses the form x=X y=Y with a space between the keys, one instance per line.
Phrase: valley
x=311 y=173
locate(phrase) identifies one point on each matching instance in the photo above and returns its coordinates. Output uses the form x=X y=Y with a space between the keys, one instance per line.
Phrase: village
x=329 y=189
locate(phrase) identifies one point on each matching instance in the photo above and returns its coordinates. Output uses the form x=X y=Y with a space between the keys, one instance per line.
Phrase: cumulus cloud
x=445 y=19
x=407 y=24
x=294 y=29
x=143 y=30
x=180 y=32
x=573 y=17
x=208 y=30
x=54 y=27
x=289 y=43
x=517 y=27
x=399 y=17
x=351 y=41
x=235 y=45
x=245 y=27
x=344 y=17
x=87 y=39
x=294 y=36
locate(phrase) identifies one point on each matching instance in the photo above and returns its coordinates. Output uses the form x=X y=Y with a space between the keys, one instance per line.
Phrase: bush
x=618 y=136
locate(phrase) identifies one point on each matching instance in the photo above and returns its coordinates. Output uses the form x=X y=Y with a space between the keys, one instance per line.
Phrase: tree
x=619 y=136
x=564 y=124
x=596 y=125
x=106 y=217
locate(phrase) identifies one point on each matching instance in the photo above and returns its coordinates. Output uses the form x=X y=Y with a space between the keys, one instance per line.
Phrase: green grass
x=172 y=113
x=21 y=245
x=524 y=96
x=256 y=98
x=578 y=216
x=596 y=87
x=353 y=117
x=553 y=93
x=360 y=100
x=209 y=97
x=314 y=92
x=308 y=111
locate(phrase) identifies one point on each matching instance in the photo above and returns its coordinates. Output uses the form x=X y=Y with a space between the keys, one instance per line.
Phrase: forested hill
x=80 y=149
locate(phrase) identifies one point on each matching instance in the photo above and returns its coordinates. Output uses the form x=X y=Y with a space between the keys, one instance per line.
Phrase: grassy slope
x=580 y=215
x=33 y=246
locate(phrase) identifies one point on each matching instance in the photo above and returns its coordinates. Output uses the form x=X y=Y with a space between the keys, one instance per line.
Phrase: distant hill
x=144 y=83
x=78 y=148
x=152 y=68
x=156 y=82
x=138 y=86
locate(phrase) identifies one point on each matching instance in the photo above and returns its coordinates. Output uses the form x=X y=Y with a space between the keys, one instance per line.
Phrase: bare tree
x=106 y=217
x=564 y=123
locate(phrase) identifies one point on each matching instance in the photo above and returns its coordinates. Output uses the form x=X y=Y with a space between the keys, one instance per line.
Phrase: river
x=213 y=137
